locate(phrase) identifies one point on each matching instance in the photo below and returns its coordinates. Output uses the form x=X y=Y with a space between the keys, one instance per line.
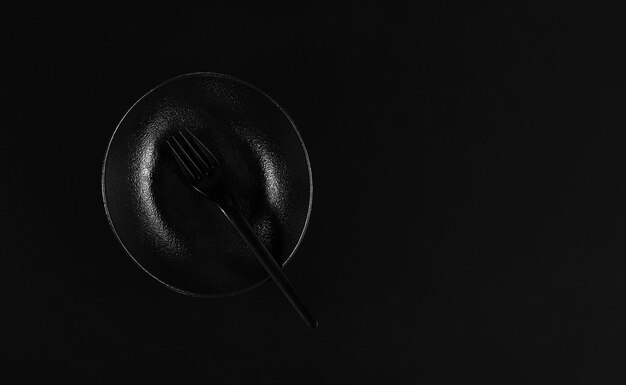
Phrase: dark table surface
x=469 y=213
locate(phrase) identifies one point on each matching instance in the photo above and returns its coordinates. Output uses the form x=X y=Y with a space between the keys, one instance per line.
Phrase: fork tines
x=191 y=155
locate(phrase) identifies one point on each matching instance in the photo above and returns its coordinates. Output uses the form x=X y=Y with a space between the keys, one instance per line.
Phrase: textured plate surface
x=173 y=232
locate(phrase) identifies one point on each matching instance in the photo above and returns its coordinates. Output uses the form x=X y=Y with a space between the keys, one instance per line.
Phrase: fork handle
x=239 y=222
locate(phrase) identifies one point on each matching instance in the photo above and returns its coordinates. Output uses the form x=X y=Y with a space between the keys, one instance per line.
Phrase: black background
x=469 y=204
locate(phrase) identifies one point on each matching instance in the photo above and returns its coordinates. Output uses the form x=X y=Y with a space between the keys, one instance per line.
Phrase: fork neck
x=225 y=202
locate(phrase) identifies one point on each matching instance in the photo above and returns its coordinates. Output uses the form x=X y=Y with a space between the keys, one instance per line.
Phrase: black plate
x=173 y=232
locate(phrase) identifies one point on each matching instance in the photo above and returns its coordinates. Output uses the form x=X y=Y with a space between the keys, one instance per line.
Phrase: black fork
x=204 y=173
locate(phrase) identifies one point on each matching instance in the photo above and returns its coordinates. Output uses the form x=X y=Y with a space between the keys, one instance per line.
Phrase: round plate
x=176 y=234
